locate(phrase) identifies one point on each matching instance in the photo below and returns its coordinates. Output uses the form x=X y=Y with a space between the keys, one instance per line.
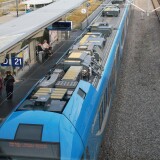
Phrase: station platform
x=27 y=77
x=30 y=75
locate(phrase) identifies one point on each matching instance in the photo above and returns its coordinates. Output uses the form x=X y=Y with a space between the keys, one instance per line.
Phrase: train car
x=112 y=10
x=64 y=116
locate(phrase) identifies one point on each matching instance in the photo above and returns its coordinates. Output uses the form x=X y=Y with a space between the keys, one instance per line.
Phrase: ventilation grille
x=72 y=73
x=75 y=55
x=43 y=91
x=66 y=84
x=58 y=93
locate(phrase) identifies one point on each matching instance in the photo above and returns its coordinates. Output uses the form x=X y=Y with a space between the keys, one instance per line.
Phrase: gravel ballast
x=134 y=126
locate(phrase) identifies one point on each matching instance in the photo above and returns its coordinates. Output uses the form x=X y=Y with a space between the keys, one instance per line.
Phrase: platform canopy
x=23 y=27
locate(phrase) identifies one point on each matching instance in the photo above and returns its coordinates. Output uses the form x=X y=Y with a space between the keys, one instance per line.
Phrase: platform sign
x=17 y=62
x=6 y=62
x=61 y=26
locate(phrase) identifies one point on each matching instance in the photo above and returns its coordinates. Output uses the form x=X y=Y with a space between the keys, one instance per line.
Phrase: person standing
x=9 y=84
x=1 y=85
x=45 y=47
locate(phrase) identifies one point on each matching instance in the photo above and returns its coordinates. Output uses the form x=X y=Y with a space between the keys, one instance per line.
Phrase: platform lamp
x=87 y=5
x=17 y=7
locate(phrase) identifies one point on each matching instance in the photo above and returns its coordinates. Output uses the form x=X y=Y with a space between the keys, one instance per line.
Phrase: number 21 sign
x=17 y=62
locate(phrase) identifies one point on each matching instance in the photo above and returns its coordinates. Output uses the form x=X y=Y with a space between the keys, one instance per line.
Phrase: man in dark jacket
x=1 y=85
x=9 y=83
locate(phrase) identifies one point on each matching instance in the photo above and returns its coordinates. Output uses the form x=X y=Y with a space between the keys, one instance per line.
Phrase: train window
x=81 y=93
x=82 y=158
x=113 y=72
x=107 y=97
x=29 y=132
x=116 y=69
x=116 y=72
x=105 y=100
x=117 y=57
x=123 y=36
x=87 y=153
x=109 y=90
x=116 y=64
x=101 y=115
x=129 y=13
x=127 y=20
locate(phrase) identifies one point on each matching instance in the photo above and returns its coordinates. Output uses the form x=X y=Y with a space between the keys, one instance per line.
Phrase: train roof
x=63 y=95
x=112 y=8
x=48 y=133
x=27 y=119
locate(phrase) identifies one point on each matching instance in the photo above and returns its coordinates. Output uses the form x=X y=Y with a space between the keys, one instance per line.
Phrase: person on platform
x=45 y=45
x=39 y=47
x=46 y=48
x=1 y=85
x=9 y=84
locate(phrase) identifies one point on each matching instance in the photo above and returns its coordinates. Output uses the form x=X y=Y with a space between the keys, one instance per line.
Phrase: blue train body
x=68 y=122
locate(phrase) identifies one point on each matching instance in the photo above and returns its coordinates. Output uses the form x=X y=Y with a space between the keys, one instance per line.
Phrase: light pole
x=17 y=7
x=87 y=5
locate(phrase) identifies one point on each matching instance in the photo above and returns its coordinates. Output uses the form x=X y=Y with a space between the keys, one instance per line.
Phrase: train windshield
x=14 y=150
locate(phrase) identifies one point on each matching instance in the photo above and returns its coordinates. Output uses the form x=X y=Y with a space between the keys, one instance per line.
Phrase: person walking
x=1 y=85
x=9 y=84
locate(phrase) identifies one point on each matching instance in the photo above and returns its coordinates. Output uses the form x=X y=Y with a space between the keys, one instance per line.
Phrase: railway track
x=133 y=131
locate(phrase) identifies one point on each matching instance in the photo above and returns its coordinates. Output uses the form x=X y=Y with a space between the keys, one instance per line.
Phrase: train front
x=39 y=135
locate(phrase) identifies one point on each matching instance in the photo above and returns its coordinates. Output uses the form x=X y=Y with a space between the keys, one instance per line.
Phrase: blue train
x=64 y=116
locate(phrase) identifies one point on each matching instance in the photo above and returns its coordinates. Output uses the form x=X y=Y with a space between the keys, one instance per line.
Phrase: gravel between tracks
x=134 y=125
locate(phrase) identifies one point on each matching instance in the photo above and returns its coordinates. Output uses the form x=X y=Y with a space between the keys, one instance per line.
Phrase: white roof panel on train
x=27 y=24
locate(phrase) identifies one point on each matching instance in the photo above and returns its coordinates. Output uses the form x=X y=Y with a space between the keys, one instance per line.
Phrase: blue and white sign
x=17 y=62
x=6 y=62
x=61 y=26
